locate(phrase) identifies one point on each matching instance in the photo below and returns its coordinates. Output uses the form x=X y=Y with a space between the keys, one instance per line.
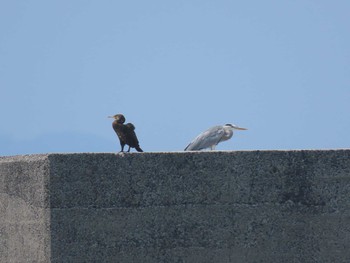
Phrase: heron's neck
x=229 y=134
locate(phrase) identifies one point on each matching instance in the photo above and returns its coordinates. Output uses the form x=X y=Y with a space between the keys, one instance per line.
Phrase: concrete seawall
x=250 y=206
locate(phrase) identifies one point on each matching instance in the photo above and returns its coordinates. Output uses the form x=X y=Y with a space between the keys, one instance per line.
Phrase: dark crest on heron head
x=228 y=124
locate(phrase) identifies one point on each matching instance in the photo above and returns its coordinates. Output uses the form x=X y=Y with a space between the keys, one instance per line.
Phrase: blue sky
x=174 y=68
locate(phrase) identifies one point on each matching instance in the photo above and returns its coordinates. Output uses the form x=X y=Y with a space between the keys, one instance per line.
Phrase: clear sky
x=174 y=68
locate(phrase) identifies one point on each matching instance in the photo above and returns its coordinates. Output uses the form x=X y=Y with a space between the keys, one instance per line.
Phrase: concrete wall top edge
x=36 y=157
x=26 y=158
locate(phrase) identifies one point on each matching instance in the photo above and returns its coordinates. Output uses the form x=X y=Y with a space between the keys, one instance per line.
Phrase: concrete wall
x=24 y=209
x=256 y=206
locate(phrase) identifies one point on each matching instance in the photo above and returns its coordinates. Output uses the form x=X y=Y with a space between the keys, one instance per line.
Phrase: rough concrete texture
x=24 y=209
x=252 y=206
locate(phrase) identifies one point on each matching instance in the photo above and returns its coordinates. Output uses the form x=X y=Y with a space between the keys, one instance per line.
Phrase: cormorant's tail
x=138 y=149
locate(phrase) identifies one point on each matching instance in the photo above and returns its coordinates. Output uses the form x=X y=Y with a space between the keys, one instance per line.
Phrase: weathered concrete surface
x=24 y=209
x=256 y=206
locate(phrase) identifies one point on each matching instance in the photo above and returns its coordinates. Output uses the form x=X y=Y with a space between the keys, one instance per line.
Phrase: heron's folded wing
x=206 y=139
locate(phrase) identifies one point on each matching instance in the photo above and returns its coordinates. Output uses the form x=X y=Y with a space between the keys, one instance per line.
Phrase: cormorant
x=125 y=132
x=211 y=137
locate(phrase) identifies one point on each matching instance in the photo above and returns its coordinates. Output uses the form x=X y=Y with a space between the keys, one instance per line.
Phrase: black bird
x=125 y=132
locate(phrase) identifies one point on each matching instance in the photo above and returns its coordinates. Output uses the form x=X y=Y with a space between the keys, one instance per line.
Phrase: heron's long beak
x=239 y=128
x=110 y=117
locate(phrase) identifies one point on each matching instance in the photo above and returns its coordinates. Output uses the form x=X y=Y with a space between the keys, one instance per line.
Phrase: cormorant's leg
x=122 y=145
x=129 y=149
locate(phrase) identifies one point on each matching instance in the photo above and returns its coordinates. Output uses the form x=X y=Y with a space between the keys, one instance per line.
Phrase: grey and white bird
x=211 y=137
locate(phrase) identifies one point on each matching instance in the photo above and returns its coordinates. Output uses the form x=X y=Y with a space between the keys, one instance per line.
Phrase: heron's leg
x=213 y=147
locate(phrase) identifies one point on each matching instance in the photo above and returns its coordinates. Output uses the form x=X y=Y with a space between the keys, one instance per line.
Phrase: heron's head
x=234 y=127
x=118 y=117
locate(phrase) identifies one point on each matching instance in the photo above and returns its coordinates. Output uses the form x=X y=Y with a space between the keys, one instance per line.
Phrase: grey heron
x=211 y=137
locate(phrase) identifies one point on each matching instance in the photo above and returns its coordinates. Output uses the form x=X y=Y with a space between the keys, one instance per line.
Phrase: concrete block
x=247 y=206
